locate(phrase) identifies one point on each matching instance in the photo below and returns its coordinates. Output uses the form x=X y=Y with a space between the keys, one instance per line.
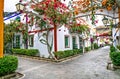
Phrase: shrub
x=95 y=46
x=112 y=48
x=8 y=64
x=87 y=48
x=78 y=51
x=67 y=53
x=31 y=52
x=28 y=52
x=118 y=47
x=59 y=54
x=115 y=57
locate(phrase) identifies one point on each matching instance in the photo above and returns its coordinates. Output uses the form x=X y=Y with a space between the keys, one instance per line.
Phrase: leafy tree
x=48 y=14
x=9 y=31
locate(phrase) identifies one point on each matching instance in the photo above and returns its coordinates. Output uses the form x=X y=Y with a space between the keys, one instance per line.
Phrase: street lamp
x=20 y=7
x=105 y=21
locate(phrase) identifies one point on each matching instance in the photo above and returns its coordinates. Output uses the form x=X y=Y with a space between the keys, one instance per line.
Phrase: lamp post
x=21 y=8
x=105 y=21
x=1 y=28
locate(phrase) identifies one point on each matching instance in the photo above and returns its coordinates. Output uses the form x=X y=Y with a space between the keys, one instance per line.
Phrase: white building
x=65 y=40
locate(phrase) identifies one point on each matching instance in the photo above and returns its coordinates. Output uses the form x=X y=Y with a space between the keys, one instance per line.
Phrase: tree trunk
x=48 y=46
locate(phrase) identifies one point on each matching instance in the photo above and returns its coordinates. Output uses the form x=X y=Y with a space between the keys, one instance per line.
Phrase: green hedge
x=115 y=57
x=112 y=48
x=28 y=52
x=96 y=46
x=8 y=64
x=118 y=47
x=67 y=53
x=87 y=49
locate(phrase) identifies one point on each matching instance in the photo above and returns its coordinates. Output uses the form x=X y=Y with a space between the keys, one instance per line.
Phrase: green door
x=16 y=41
x=74 y=42
x=80 y=42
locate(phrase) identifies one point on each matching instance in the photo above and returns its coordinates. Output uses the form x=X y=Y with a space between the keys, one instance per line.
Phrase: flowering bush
x=53 y=12
x=108 y=4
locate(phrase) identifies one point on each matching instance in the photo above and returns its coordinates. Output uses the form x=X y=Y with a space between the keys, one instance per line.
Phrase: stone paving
x=91 y=65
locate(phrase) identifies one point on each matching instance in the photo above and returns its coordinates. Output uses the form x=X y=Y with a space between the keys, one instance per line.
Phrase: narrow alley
x=91 y=65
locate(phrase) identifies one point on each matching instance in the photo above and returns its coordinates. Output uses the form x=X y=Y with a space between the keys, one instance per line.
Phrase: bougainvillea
x=53 y=12
x=84 y=6
x=47 y=14
x=80 y=5
x=78 y=26
x=108 y=4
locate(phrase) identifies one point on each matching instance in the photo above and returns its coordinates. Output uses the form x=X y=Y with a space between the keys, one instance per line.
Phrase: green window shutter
x=16 y=41
x=31 y=40
x=66 y=41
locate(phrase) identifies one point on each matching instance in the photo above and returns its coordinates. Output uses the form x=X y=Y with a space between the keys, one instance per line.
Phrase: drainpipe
x=1 y=28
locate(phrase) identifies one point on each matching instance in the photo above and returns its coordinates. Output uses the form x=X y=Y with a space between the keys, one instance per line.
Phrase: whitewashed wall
x=115 y=40
x=61 y=38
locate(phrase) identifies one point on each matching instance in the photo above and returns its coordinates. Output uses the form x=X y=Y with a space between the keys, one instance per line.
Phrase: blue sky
x=9 y=5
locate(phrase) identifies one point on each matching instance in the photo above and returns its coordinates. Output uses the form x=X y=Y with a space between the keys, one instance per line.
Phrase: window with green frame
x=67 y=42
x=31 y=40
x=16 y=40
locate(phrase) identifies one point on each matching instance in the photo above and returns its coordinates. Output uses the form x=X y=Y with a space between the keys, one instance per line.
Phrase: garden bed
x=15 y=75
x=48 y=59
x=116 y=67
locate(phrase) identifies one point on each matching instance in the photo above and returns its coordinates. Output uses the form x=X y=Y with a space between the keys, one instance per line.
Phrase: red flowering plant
x=53 y=12
x=21 y=28
x=86 y=6
x=78 y=25
x=47 y=14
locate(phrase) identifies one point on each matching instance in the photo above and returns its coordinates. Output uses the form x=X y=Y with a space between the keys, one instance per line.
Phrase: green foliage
x=112 y=48
x=67 y=53
x=87 y=48
x=9 y=31
x=8 y=65
x=53 y=11
x=28 y=52
x=40 y=11
x=96 y=46
x=118 y=47
x=78 y=28
x=59 y=54
x=115 y=57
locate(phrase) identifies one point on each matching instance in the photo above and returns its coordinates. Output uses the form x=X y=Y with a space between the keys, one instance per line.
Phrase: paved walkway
x=91 y=65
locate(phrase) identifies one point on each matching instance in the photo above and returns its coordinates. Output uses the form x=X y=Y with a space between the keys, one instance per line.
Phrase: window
x=16 y=43
x=31 y=40
x=74 y=42
x=66 y=41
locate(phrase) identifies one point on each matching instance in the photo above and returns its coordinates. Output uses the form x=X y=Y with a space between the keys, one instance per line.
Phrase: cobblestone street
x=91 y=65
